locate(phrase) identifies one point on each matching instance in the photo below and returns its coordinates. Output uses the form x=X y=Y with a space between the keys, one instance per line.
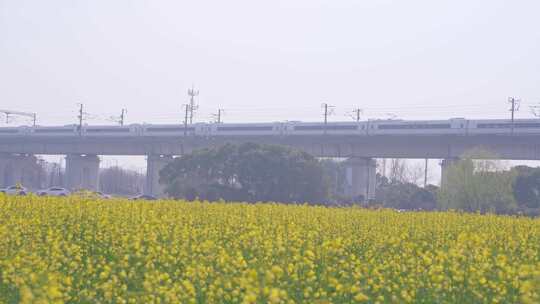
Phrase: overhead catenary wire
x=290 y=115
x=33 y=116
x=246 y=113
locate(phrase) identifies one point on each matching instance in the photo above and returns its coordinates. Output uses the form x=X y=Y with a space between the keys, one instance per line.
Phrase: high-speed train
x=455 y=126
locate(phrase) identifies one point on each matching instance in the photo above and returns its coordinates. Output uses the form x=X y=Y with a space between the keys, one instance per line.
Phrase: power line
x=120 y=119
x=19 y=113
x=246 y=113
x=254 y=115
x=382 y=110
x=420 y=106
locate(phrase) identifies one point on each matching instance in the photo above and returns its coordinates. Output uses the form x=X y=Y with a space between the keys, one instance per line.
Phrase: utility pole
x=80 y=117
x=122 y=116
x=514 y=107
x=328 y=110
x=192 y=106
x=219 y=115
x=357 y=113
x=186 y=119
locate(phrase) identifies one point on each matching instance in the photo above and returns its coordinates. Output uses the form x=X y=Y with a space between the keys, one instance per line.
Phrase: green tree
x=247 y=172
x=527 y=187
x=407 y=196
x=477 y=182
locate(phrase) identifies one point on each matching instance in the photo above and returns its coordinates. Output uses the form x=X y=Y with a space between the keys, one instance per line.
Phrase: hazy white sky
x=268 y=60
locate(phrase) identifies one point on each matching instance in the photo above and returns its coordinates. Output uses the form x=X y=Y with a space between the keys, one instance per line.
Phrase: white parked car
x=15 y=190
x=54 y=191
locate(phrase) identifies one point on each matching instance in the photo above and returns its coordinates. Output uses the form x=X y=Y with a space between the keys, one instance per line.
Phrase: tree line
x=479 y=182
x=252 y=172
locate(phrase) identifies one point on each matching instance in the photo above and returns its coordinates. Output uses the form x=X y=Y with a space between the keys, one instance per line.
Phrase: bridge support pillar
x=18 y=168
x=82 y=172
x=445 y=164
x=361 y=180
x=154 y=164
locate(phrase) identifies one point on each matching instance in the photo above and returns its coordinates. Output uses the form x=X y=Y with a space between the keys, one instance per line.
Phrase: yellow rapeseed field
x=79 y=250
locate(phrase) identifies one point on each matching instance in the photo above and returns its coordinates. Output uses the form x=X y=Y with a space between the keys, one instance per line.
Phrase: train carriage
x=456 y=126
x=334 y=128
x=68 y=130
x=504 y=126
x=111 y=131
x=246 y=129
x=174 y=130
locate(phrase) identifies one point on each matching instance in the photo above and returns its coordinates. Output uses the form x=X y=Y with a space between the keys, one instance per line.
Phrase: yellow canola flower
x=73 y=250
x=360 y=297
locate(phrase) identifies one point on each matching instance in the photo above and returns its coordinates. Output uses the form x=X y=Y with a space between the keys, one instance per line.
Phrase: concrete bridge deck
x=522 y=147
x=82 y=152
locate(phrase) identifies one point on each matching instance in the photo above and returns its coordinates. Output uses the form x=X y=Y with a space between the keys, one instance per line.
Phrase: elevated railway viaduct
x=359 y=143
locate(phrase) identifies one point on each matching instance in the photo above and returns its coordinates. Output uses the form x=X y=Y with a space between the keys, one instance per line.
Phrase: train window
x=507 y=125
x=415 y=126
x=53 y=130
x=241 y=128
x=308 y=128
x=327 y=127
x=169 y=129
x=115 y=130
x=491 y=125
